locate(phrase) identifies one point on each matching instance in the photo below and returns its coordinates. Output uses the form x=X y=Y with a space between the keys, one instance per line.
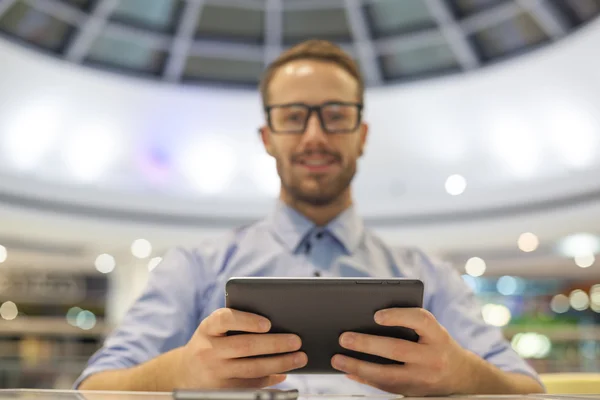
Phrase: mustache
x=337 y=157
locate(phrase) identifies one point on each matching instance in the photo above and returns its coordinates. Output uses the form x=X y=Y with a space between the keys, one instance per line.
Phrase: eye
x=295 y=117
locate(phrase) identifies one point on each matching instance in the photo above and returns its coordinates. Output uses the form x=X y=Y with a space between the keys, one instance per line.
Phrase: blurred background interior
x=129 y=126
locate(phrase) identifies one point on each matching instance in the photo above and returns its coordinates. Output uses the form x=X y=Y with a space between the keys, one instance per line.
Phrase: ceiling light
x=579 y=300
x=560 y=304
x=496 y=314
x=209 y=165
x=105 y=263
x=85 y=320
x=9 y=311
x=3 y=254
x=528 y=242
x=31 y=133
x=585 y=261
x=141 y=248
x=72 y=315
x=91 y=151
x=456 y=185
x=153 y=263
x=515 y=145
x=579 y=245
x=595 y=295
x=508 y=285
x=573 y=134
x=472 y=282
x=475 y=266
x=531 y=345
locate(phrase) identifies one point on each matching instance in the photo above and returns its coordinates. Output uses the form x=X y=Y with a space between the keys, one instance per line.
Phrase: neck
x=320 y=215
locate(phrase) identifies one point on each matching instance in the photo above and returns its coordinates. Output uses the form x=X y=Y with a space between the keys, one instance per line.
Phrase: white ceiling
x=524 y=133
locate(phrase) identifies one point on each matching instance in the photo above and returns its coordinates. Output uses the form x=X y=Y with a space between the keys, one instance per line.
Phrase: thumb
x=275 y=379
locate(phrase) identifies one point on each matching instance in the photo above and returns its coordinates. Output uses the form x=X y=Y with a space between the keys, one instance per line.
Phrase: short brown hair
x=314 y=49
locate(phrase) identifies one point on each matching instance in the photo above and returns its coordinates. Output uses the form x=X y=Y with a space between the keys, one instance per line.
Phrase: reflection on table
x=29 y=394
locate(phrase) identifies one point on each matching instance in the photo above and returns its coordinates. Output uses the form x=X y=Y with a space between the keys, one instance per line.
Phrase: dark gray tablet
x=319 y=310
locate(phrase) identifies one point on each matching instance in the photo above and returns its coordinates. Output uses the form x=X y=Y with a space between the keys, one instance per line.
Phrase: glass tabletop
x=35 y=394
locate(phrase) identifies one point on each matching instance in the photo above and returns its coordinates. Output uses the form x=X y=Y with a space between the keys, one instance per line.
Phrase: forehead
x=312 y=82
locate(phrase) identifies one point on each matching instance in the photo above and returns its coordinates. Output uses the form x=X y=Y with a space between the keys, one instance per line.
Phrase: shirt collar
x=291 y=227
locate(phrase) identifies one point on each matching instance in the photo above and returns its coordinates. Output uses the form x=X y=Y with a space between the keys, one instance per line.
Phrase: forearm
x=156 y=375
x=485 y=378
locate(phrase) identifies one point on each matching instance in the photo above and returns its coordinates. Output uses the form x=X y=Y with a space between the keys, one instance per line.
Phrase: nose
x=314 y=134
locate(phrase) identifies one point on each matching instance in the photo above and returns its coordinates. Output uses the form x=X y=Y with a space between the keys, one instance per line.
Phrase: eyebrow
x=291 y=103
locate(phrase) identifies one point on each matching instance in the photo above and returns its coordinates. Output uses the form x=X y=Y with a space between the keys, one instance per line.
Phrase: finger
x=248 y=345
x=386 y=347
x=419 y=319
x=249 y=368
x=256 y=383
x=357 y=379
x=374 y=374
x=224 y=320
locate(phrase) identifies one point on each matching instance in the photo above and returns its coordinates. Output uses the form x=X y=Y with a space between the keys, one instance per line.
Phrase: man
x=174 y=335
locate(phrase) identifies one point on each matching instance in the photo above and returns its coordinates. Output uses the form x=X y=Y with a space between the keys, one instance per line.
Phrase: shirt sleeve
x=455 y=306
x=163 y=318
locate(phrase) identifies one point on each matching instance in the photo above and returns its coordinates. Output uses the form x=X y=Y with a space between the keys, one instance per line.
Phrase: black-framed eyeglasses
x=335 y=117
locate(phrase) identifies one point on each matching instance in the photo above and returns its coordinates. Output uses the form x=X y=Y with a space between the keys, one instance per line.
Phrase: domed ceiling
x=229 y=41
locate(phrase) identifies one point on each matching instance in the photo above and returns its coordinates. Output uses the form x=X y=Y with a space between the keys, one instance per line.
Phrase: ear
x=265 y=136
x=364 y=133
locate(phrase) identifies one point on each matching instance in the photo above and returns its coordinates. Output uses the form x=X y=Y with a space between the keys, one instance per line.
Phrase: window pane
x=158 y=15
x=85 y=5
x=222 y=70
x=464 y=8
x=509 y=37
x=420 y=61
x=577 y=11
x=390 y=17
x=585 y=9
x=329 y=24
x=35 y=27
x=231 y=23
x=126 y=53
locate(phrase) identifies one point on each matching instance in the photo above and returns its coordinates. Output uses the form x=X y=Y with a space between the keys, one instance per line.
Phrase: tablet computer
x=319 y=310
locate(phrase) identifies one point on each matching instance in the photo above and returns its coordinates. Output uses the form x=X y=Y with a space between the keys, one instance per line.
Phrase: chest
x=324 y=258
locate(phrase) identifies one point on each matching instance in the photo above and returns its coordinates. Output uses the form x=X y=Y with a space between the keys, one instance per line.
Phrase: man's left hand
x=436 y=365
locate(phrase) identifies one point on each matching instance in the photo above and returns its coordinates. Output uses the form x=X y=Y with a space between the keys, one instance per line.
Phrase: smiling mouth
x=317 y=163
x=321 y=165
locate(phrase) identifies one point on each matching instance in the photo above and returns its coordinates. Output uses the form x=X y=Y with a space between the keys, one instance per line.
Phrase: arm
x=160 y=321
x=484 y=378
x=494 y=367
x=155 y=375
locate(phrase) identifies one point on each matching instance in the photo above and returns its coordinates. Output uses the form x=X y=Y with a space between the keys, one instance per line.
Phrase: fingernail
x=380 y=317
x=338 y=362
x=347 y=339
x=294 y=342
x=299 y=359
x=264 y=325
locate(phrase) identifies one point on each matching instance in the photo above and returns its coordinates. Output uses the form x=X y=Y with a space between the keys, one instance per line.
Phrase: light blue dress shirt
x=189 y=284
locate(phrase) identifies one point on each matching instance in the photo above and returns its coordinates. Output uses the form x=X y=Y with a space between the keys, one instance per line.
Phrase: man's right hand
x=211 y=359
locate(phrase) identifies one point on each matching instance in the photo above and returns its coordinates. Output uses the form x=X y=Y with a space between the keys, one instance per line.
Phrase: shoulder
x=209 y=252
x=411 y=261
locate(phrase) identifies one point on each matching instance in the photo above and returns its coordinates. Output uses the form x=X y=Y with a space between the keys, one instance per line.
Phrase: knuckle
x=427 y=315
x=223 y=316
x=396 y=353
x=243 y=345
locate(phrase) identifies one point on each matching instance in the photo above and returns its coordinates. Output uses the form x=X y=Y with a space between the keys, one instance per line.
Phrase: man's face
x=315 y=167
